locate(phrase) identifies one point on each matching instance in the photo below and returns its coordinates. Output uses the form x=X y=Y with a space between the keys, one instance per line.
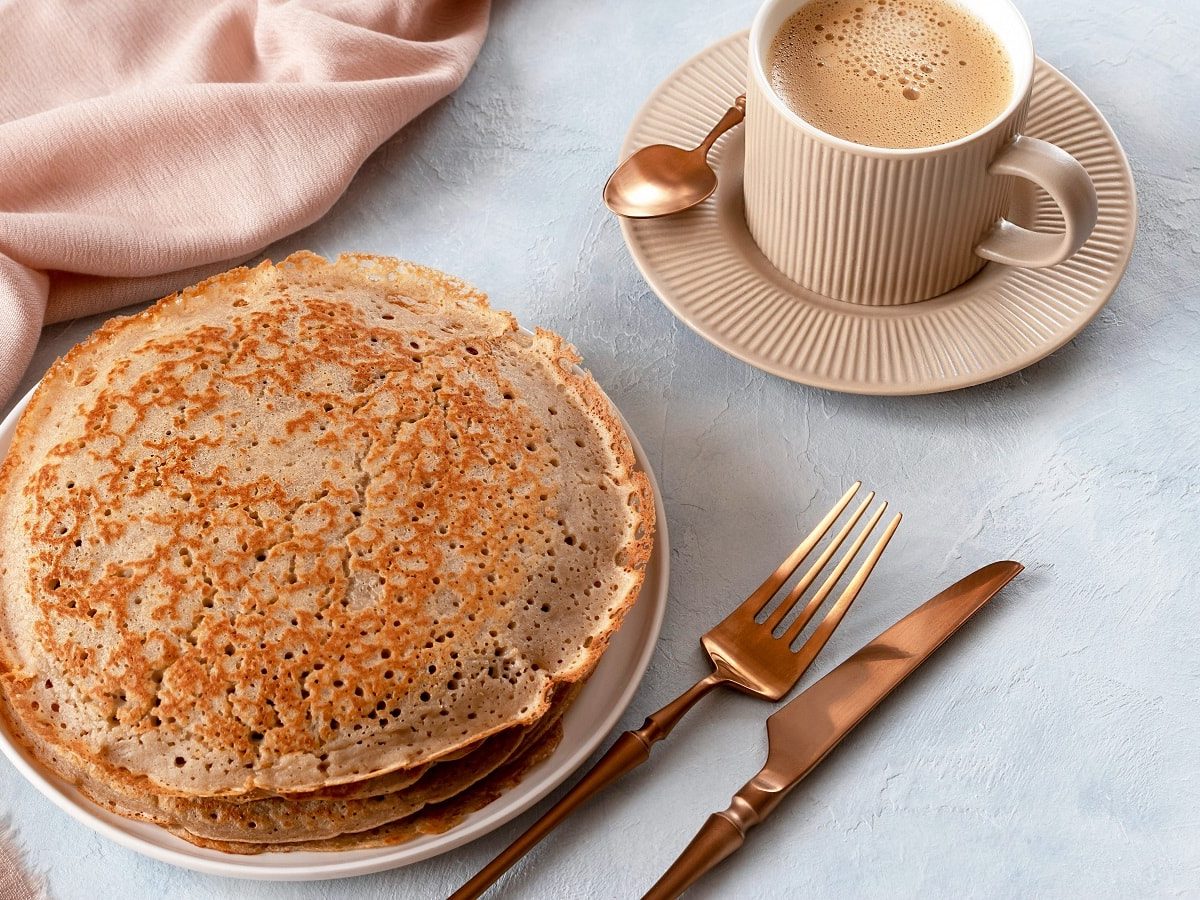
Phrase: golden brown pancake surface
x=307 y=524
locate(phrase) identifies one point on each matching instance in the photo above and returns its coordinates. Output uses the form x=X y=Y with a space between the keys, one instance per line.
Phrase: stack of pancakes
x=311 y=556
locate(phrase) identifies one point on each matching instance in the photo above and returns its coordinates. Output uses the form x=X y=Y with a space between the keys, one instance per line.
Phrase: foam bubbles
x=893 y=73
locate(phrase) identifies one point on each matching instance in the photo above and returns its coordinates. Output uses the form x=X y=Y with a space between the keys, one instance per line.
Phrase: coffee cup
x=889 y=225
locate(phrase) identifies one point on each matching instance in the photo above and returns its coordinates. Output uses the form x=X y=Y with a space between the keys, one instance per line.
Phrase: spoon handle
x=735 y=114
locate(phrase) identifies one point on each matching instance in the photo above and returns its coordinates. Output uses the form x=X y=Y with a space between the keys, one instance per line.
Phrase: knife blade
x=806 y=729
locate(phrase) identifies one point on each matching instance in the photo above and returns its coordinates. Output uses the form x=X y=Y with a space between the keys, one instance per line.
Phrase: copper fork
x=748 y=654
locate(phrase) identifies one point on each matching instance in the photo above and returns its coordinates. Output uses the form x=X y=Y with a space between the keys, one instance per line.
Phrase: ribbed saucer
x=705 y=267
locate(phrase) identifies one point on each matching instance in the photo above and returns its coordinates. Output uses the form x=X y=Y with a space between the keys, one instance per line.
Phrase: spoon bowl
x=661 y=179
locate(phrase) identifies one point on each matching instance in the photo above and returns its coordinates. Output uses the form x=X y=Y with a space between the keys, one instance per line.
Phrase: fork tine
x=831 y=581
x=794 y=595
x=833 y=618
x=754 y=604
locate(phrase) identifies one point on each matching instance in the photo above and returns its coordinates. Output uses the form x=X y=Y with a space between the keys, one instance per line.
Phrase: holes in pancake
x=461 y=596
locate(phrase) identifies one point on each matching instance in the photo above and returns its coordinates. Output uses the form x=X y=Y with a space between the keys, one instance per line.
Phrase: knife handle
x=720 y=836
x=717 y=839
x=630 y=750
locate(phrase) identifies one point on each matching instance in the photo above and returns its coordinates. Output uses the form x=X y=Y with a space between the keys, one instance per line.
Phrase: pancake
x=306 y=525
x=281 y=820
x=435 y=819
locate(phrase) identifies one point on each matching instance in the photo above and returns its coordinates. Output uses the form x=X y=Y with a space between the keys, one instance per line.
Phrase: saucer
x=706 y=268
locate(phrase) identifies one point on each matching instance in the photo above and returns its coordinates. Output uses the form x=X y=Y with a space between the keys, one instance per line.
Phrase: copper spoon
x=661 y=179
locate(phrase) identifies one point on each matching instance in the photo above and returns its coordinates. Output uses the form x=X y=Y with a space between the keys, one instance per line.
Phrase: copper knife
x=802 y=733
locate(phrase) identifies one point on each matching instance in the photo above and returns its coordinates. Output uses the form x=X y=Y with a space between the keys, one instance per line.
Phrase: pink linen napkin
x=15 y=882
x=144 y=146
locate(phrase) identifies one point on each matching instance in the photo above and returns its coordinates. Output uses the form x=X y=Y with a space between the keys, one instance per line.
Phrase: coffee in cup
x=861 y=192
x=890 y=73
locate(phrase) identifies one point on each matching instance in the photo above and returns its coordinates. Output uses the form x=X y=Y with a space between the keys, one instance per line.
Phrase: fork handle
x=630 y=750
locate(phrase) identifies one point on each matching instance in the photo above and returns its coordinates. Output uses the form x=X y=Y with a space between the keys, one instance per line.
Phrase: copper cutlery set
x=757 y=650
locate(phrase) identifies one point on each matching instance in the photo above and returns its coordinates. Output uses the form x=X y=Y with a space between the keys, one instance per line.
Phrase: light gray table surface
x=1053 y=748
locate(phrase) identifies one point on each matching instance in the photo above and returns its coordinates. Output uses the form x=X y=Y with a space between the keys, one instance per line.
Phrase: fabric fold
x=145 y=146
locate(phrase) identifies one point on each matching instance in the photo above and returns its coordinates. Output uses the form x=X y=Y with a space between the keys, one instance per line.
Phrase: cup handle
x=1066 y=181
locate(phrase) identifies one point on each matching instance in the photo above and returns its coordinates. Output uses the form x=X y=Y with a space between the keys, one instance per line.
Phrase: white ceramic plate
x=600 y=703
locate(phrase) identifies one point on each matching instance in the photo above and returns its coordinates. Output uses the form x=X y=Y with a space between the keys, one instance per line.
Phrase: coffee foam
x=890 y=73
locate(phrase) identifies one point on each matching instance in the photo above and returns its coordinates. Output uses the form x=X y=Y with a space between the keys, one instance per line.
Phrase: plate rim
x=898 y=389
x=373 y=860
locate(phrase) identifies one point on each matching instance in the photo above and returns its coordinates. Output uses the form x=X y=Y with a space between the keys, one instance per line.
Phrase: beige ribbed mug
x=883 y=226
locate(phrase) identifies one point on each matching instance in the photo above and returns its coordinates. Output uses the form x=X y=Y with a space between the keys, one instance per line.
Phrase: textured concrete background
x=1053 y=748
